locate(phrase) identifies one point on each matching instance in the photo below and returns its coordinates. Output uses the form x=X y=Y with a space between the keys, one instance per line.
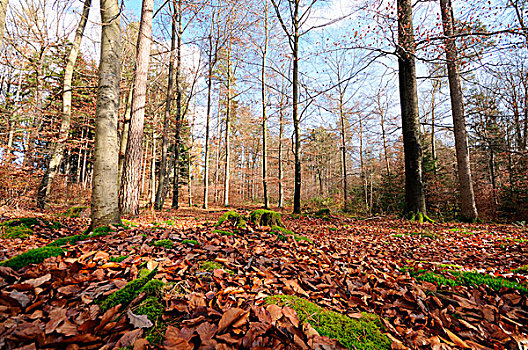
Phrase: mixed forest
x=263 y=174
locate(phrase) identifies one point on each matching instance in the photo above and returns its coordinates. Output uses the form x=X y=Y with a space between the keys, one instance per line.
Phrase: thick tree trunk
x=469 y=209
x=58 y=148
x=163 y=173
x=343 y=151
x=105 y=207
x=130 y=182
x=414 y=191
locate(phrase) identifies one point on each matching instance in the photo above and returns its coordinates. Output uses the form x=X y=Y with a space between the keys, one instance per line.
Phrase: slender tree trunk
x=363 y=176
x=264 y=105
x=343 y=152
x=130 y=182
x=58 y=148
x=163 y=173
x=469 y=209
x=281 y=176
x=414 y=191
x=295 y=112
x=125 y=132
x=144 y=168
x=105 y=206
x=3 y=10
x=212 y=62
x=227 y=129
x=179 y=116
x=153 y=171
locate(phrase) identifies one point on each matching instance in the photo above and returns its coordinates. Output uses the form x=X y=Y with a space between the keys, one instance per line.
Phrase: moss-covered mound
x=126 y=294
x=364 y=333
x=213 y=265
x=190 y=241
x=263 y=217
x=33 y=256
x=234 y=218
x=71 y=240
x=323 y=213
x=25 y=225
x=74 y=212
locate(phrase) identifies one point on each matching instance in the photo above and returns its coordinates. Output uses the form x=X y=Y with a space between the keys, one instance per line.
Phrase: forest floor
x=439 y=286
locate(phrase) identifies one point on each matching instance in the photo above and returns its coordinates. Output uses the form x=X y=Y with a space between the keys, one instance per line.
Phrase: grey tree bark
x=414 y=192
x=105 y=206
x=58 y=148
x=264 y=105
x=130 y=182
x=162 y=175
x=179 y=114
x=467 y=196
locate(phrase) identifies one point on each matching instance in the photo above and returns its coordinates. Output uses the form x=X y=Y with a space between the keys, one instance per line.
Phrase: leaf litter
x=352 y=267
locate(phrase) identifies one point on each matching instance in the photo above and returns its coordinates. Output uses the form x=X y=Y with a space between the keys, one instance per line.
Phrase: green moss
x=118 y=259
x=129 y=223
x=190 y=241
x=364 y=333
x=263 y=217
x=282 y=234
x=151 y=307
x=521 y=269
x=466 y=278
x=399 y=235
x=165 y=243
x=98 y=231
x=224 y=233
x=30 y=222
x=234 y=218
x=33 y=256
x=153 y=287
x=74 y=212
x=213 y=265
x=71 y=240
x=126 y=294
x=21 y=231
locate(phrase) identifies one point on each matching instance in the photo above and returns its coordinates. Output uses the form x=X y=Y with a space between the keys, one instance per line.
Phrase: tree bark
x=3 y=11
x=264 y=105
x=467 y=196
x=414 y=191
x=105 y=206
x=227 y=129
x=295 y=112
x=58 y=148
x=281 y=131
x=179 y=115
x=124 y=133
x=162 y=175
x=130 y=182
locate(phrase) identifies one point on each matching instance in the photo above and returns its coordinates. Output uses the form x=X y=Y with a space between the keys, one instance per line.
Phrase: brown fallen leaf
x=455 y=339
x=129 y=338
x=229 y=317
x=173 y=341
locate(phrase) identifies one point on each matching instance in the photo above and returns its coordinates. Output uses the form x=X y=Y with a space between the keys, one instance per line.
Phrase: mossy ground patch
x=364 y=333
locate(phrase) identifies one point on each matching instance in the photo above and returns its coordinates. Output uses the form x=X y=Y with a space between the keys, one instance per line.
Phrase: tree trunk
x=3 y=10
x=130 y=182
x=58 y=148
x=105 y=206
x=295 y=112
x=227 y=129
x=124 y=133
x=153 y=171
x=414 y=191
x=281 y=131
x=179 y=116
x=469 y=209
x=264 y=105
x=343 y=151
x=162 y=174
